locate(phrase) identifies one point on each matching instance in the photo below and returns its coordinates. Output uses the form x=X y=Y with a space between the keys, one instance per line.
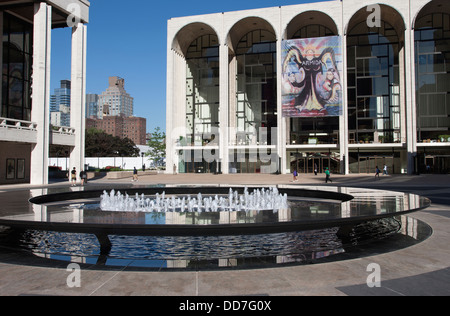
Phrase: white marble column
x=343 y=119
x=411 y=118
x=78 y=96
x=224 y=109
x=41 y=92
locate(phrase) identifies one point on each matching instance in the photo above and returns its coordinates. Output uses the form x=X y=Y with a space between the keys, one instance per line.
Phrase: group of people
x=378 y=171
x=328 y=173
x=84 y=178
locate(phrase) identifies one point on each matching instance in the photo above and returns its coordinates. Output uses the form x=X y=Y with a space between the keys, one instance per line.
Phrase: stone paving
x=423 y=269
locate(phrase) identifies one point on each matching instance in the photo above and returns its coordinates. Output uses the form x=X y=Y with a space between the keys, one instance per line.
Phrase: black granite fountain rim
x=195 y=230
x=104 y=229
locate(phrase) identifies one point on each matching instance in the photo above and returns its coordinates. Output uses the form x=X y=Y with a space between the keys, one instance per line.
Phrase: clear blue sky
x=129 y=39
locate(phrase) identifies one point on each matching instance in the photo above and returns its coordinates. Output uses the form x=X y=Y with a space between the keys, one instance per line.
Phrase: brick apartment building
x=133 y=128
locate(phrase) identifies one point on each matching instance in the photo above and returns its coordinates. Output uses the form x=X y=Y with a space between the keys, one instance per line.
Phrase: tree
x=101 y=144
x=157 y=144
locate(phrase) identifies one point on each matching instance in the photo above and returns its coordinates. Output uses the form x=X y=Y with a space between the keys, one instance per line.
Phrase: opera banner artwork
x=312 y=74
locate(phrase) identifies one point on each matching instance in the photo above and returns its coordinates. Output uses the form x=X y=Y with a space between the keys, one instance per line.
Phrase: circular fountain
x=258 y=200
x=194 y=226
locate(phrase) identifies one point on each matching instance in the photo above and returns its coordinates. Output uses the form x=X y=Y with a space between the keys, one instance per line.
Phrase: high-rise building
x=91 y=105
x=115 y=100
x=60 y=105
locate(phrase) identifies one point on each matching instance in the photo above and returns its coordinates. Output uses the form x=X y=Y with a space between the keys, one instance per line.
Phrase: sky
x=129 y=39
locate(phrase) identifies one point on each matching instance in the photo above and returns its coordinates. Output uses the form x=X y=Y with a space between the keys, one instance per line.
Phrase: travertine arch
x=190 y=33
x=388 y=14
x=244 y=26
x=434 y=6
x=310 y=18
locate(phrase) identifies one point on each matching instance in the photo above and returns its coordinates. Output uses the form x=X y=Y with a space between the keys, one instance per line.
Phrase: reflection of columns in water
x=175 y=264
x=228 y=218
x=228 y=262
x=346 y=209
x=78 y=216
x=173 y=218
x=285 y=215
x=379 y=205
x=413 y=202
x=40 y=211
x=409 y=227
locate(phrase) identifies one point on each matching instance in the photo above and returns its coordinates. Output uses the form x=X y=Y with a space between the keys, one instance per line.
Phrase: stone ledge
x=128 y=174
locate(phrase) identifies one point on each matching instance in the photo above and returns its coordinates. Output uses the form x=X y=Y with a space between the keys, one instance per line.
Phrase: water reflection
x=365 y=203
x=220 y=251
x=230 y=251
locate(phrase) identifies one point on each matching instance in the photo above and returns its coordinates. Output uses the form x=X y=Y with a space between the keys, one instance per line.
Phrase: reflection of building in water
x=284 y=215
x=410 y=227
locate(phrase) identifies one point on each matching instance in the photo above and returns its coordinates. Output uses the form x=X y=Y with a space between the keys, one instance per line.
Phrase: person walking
x=377 y=172
x=295 y=174
x=385 y=170
x=328 y=176
x=135 y=174
x=74 y=177
x=83 y=177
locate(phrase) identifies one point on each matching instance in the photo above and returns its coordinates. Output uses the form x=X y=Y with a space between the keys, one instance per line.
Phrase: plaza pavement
x=423 y=269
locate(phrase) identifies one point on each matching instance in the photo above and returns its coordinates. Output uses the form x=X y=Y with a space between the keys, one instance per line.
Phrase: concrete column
x=343 y=119
x=171 y=157
x=78 y=96
x=41 y=92
x=282 y=132
x=1 y=49
x=224 y=109
x=411 y=118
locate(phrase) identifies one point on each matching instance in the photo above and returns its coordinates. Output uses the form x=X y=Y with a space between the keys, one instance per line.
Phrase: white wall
x=127 y=163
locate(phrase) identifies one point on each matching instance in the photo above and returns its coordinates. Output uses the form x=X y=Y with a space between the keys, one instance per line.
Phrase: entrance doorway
x=308 y=163
x=194 y=162
x=437 y=164
x=368 y=164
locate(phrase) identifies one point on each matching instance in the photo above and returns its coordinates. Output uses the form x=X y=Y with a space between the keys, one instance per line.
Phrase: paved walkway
x=423 y=269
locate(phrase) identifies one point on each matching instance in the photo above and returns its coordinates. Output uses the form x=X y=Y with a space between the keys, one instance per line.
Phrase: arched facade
x=382 y=121
x=432 y=77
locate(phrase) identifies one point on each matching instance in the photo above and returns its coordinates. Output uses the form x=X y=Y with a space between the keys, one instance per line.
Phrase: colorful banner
x=312 y=72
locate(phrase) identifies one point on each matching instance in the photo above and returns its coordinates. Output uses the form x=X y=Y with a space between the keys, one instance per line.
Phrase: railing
x=62 y=135
x=63 y=130
x=17 y=124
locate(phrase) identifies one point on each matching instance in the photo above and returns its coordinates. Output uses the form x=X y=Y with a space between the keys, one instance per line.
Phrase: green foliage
x=100 y=144
x=157 y=145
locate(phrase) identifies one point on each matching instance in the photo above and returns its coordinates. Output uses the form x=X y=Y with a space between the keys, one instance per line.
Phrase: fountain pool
x=231 y=227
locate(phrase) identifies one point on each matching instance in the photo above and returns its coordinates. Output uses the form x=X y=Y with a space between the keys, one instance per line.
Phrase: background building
x=115 y=113
x=25 y=134
x=92 y=105
x=115 y=100
x=60 y=105
x=134 y=128
x=236 y=99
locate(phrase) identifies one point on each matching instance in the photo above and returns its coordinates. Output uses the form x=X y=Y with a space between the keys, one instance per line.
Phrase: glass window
x=377 y=83
x=432 y=76
x=17 y=64
x=202 y=90
x=256 y=88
